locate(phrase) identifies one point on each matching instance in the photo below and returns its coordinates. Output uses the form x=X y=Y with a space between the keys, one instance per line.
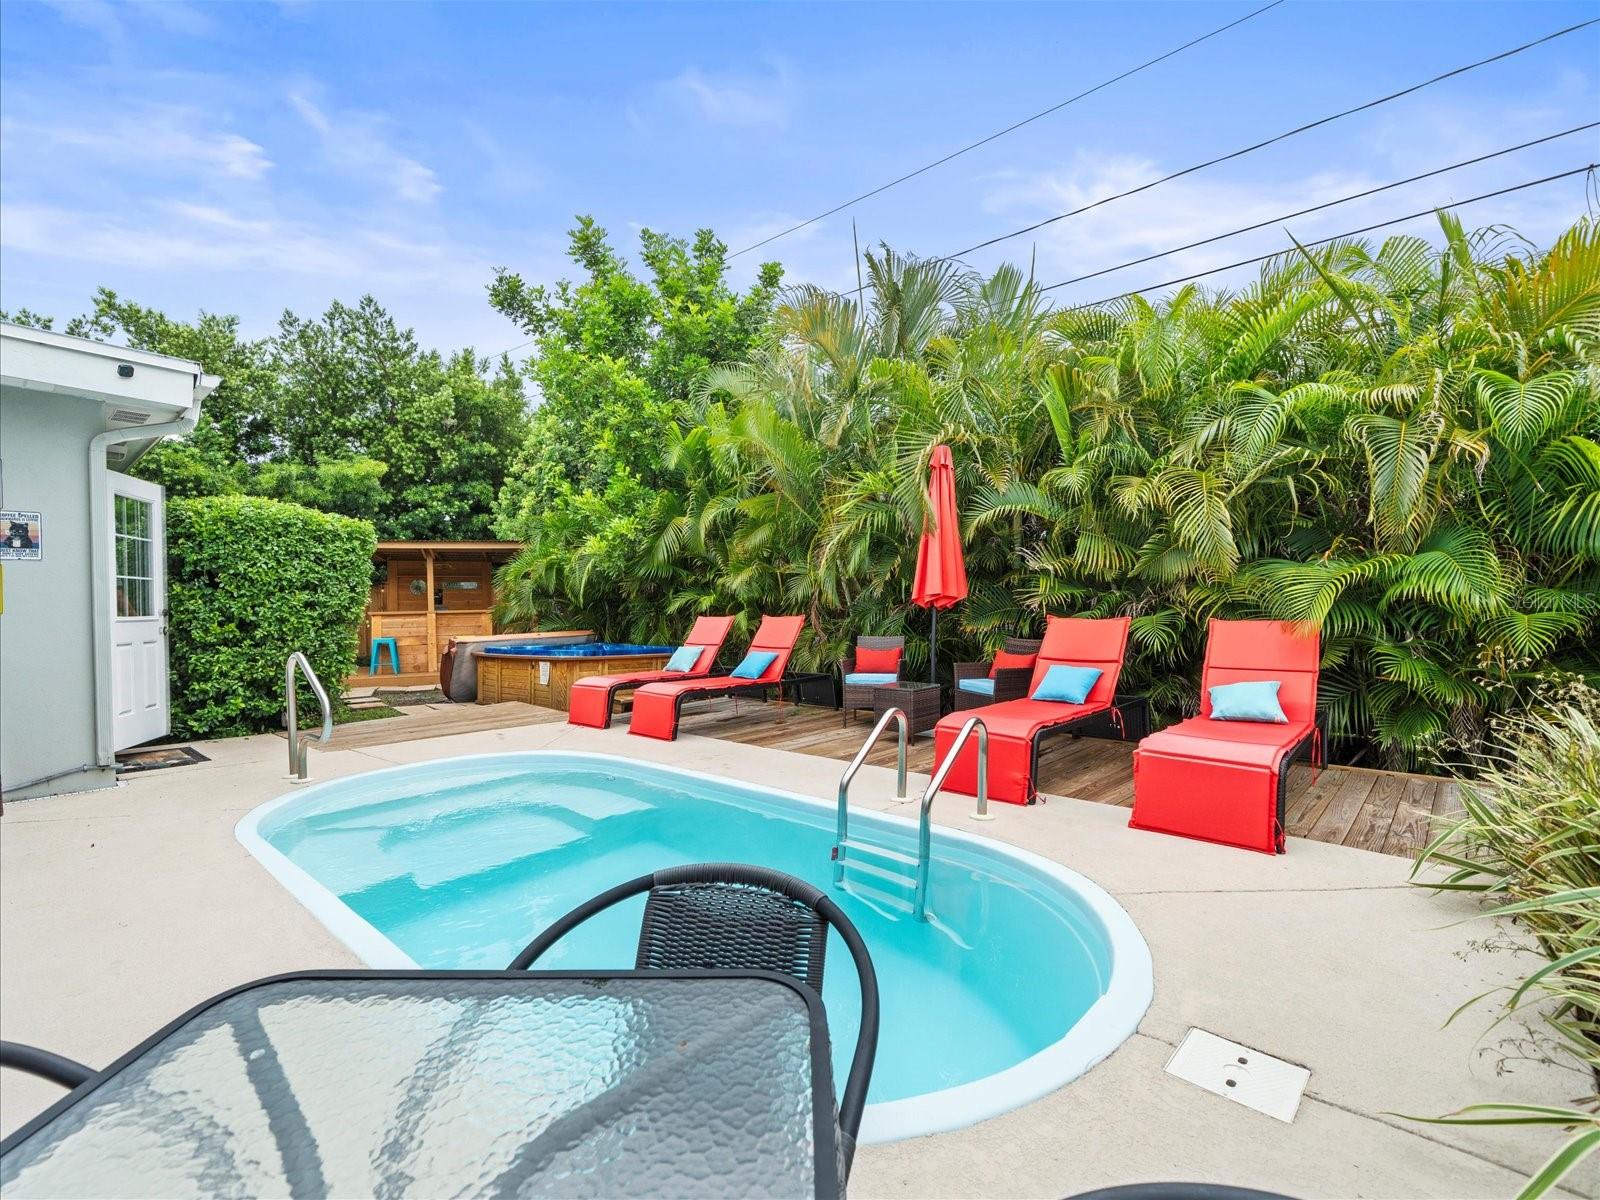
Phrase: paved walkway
x=120 y=909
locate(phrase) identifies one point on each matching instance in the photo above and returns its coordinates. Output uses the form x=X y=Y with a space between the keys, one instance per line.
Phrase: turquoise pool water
x=459 y=863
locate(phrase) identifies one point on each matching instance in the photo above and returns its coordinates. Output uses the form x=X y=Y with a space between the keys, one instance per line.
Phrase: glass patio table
x=521 y=1083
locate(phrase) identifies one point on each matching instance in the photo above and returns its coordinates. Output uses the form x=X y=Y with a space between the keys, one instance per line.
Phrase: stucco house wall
x=47 y=679
x=72 y=411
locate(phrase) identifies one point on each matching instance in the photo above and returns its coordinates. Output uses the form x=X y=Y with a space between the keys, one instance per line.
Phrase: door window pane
x=135 y=582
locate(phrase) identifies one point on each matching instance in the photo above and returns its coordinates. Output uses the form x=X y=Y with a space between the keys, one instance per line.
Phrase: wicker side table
x=922 y=702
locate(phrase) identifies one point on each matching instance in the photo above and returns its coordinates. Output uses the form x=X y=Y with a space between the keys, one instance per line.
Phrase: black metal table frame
x=803 y=686
x=824 y=1125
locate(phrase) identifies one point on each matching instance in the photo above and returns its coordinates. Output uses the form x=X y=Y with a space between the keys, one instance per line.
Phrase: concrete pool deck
x=120 y=909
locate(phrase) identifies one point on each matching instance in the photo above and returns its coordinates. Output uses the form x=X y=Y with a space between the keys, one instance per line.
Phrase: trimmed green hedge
x=249 y=581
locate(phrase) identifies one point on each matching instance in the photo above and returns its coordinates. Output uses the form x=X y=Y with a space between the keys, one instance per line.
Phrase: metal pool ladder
x=298 y=751
x=842 y=841
x=919 y=905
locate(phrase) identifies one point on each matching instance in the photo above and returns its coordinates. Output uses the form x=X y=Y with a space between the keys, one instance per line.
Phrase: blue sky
x=246 y=158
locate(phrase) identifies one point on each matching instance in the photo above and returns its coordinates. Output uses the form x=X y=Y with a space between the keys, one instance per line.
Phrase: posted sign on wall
x=21 y=535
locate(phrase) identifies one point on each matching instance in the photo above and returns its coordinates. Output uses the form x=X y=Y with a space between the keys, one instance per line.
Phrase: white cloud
x=97 y=16
x=1194 y=208
x=746 y=101
x=112 y=21
x=355 y=143
x=175 y=16
x=180 y=235
x=167 y=136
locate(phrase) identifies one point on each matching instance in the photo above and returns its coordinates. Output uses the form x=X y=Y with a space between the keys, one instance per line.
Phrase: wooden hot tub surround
x=545 y=681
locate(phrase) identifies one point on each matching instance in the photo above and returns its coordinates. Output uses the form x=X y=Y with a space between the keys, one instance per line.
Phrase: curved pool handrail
x=924 y=833
x=853 y=1100
x=297 y=751
x=898 y=716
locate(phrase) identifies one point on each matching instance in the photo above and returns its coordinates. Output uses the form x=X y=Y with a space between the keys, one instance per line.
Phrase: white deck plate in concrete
x=1238 y=1073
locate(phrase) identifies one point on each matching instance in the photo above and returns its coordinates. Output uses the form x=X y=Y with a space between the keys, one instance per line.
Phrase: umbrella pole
x=933 y=649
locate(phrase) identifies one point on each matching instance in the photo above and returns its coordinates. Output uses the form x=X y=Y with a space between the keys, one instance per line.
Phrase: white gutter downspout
x=100 y=553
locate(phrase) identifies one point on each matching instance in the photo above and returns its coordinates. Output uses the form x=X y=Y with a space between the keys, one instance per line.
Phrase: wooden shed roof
x=389 y=549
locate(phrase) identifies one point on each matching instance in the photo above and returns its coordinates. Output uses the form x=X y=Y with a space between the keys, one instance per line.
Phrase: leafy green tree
x=448 y=447
x=353 y=386
x=237 y=419
x=1397 y=444
x=617 y=357
x=343 y=414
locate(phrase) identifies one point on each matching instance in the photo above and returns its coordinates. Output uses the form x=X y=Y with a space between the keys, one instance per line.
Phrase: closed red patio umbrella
x=941 y=570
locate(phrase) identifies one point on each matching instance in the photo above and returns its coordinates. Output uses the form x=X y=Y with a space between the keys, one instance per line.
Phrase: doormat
x=131 y=761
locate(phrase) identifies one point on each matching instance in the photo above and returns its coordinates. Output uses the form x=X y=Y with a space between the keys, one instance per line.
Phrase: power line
x=1211 y=162
x=1245 y=262
x=514 y=349
x=1008 y=129
x=1134 y=262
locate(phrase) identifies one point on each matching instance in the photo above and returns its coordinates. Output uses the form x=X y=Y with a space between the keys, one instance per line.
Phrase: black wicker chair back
x=731 y=925
x=733 y=916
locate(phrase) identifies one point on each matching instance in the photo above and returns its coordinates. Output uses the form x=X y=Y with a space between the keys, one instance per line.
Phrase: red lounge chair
x=1016 y=727
x=591 y=699
x=1225 y=781
x=656 y=705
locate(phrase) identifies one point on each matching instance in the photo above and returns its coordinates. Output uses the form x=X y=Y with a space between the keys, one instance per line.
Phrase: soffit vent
x=128 y=416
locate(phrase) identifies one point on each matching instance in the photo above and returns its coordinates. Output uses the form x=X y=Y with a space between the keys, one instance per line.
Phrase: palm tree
x=1398 y=445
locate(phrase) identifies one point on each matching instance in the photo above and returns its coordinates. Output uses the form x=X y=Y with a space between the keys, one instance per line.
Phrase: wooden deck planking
x=1382 y=811
x=434 y=721
x=1342 y=808
x=1373 y=822
x=1413 y=818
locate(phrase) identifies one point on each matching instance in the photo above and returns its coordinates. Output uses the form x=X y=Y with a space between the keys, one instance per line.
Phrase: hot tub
x=543 y=674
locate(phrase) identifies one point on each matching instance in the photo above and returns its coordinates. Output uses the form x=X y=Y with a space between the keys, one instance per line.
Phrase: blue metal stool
x=394 y=655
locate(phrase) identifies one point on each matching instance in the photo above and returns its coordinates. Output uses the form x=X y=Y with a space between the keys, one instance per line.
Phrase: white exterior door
x=139 y=705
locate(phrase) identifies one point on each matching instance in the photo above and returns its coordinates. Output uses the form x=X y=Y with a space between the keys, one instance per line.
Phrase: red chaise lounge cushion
x=1013 y=725
x=1219 y=781
x=589 y=699
x=655 y=705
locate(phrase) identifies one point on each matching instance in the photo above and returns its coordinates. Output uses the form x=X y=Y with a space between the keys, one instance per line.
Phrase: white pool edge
x=1102 y=1028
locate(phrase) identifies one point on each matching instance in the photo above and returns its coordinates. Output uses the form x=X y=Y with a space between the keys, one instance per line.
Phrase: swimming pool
x=1025 y=976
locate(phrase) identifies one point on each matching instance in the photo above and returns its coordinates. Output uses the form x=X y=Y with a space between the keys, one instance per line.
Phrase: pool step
x=892 y=870
x=852 y=848
x=895 y=904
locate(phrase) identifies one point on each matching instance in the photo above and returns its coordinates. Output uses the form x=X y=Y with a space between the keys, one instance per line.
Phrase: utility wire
x=1245 y=262
x=1288 y=133
x=1134 y=262
x=1008 y=129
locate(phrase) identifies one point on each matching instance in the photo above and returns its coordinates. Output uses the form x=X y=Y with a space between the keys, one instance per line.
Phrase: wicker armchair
x=738 y=917
x=1010 y=683
x=859 y=695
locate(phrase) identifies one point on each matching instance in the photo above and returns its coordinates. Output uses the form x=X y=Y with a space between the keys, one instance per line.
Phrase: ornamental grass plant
x=1528 y=842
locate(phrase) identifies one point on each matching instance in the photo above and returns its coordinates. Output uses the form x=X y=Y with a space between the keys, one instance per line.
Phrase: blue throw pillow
x=1067 y=684
x=754 y=663
x=683 y=658
x=1248 y=702
x=981 y=687
x=866 y=677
